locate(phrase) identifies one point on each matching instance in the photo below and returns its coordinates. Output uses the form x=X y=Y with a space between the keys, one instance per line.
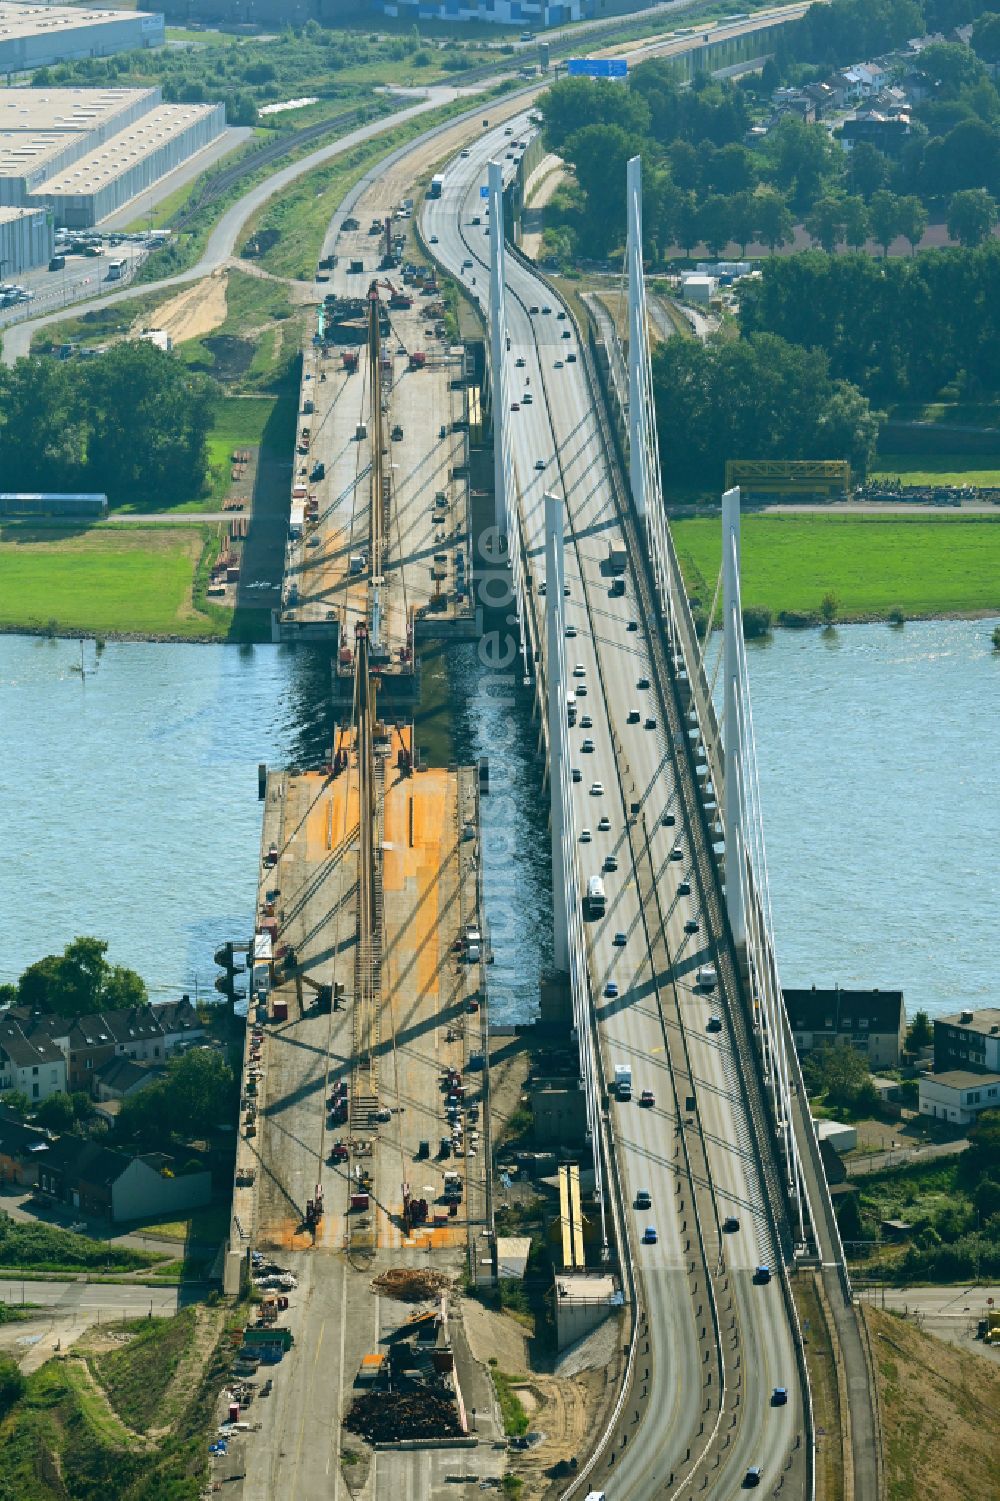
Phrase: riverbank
x=875 y=567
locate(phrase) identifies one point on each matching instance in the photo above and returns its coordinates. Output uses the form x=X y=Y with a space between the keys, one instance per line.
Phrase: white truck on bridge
x=623 y=1081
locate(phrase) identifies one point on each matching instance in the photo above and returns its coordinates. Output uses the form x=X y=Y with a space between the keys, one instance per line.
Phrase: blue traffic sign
x=484 y=192
x=597 y=67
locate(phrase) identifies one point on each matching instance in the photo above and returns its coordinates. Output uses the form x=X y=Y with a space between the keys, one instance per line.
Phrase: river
x=130 y=807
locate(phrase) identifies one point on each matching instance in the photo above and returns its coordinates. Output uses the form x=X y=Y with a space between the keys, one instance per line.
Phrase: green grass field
x=948 y=565
x=939 y=468
x=108 y=579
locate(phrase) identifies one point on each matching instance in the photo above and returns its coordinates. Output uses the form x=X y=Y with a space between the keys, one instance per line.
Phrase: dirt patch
x=495 y=1335
x=565 y=1413
x=193 y=312
x=939 y=1408
x=232 y=356
x=191 y=1367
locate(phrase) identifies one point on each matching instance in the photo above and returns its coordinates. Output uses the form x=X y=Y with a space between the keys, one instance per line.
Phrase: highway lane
x=559 y=428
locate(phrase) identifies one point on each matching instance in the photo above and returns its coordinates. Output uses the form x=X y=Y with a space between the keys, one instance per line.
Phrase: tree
x=982 y=1157
x=950 y=67
x=985 y=38
x=801 y=156
x=855 y=222
x=912 y=219
x=16 y=1101
x=869 y=169
x=687 y=222
x=825 y=223
x=56 y=1113
x=920 y=1033
x=599 y=154
x=829 y=607
x=12 y=1384
x=730 y=169
x=774 y=222
x=573 y=103
x=883 y=212
x=685 y=164
x=841 y=1074
x=79 y=981
x=198 y=1093
x=972 y=214
x=715 y=223
x=743 y=219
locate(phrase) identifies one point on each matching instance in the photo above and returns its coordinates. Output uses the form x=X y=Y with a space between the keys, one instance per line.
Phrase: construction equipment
x=314 y=1209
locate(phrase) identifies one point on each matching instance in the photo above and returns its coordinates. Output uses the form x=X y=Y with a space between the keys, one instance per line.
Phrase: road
x=658 y=1006
x=222 y=241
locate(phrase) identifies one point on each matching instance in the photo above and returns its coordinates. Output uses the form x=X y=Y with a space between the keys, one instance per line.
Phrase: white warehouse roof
x=66 y=109
x=101 y=166
x=45 y=20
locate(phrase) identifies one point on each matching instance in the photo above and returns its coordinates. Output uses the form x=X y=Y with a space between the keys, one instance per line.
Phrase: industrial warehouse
x=37 y=36
x=25 y=239
x=83 y=153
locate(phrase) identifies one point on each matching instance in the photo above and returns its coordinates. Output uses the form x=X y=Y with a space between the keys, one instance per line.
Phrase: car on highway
x=587 y=747
x=546 y=309
x=466 y=265
x=579 y=671
x=779 y=1397
x=752 y=1477
x=519 y=362
x=634 y=716
x=539 y=464
x=571 y=358
x=571 y=630
x=515 y=406
x=668 y=820
x=762 y=1274
x=533 y=308
x=611 y=990
x=706 y=978
x=715 y=1025
x=585 y=836
x=683 y=888
x=528 y=399
x=642 y=683
x=649 y=1236
x=476 y=219
x=434 y=239
x=559 y=364
x=465 y=152
x=730 y=1224
x=647 y=1098
x=567 y=333
x=611 y=862
x=577 y=774
x=643 y=1199
x=692 y=925
x=633 y=625
x=650 y=722
x=619 y=940
x=677 y=853
x=581 y=690
x=597 y=789
x=586 y=723
x=561 y=313
x=604 y=824
x=542 y=588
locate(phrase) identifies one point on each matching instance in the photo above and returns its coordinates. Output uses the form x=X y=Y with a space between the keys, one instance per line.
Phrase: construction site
x=379 y=523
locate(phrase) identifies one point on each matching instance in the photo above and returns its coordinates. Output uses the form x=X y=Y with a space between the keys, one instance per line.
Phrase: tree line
x=755 y=398
x=703 y=182
x=132 y=422
x=898 y=329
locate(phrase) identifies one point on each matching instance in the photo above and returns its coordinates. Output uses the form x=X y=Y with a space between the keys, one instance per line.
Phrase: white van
x=706 y=977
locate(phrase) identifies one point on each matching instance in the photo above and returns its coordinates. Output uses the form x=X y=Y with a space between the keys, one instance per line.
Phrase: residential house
x=823 y=98
x=133 y=1033
x=873 y=1021
x=887 y=133
x=33 y=1065
x=958 y=1095
x=968 y=1040
x=180 y=1024
x=118 y=1078
x=863 y=80
x=836 y=84
x=22 y=1148
x=111 y=1185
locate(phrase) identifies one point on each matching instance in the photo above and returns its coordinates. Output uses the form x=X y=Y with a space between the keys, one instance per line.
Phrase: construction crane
x=367 y=985
x=379 y=476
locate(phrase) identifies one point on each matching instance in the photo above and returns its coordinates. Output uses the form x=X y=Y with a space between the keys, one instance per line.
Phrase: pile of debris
x=384 y=1417
x=411 y=1284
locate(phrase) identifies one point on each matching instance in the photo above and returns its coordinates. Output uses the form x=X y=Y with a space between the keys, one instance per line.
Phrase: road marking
x=340 y=1378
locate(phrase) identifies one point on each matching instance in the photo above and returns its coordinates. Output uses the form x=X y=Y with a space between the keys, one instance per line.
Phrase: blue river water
x=129 y=801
